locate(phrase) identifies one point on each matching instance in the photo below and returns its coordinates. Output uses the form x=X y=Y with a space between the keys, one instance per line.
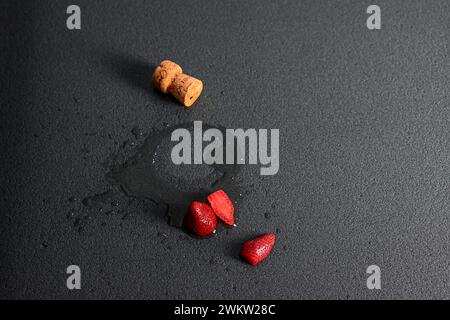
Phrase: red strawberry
x=256 y=250
x=200 y=219
x=222 y=206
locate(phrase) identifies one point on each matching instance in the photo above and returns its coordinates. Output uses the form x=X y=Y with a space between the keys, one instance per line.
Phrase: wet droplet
x=137 y=133
x=70 y=214
x=151 y=174
x=115 y=203
x=98 y=199
x=125 y=144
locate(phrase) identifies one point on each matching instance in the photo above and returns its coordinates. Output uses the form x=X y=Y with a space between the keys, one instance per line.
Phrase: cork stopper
x=169 y=78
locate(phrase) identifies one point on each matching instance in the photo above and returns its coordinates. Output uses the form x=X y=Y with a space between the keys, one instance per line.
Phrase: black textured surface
x=364 y=147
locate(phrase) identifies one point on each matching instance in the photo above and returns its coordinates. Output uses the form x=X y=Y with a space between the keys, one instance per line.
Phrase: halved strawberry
x=256 y=250
x=222 y=206
x=200 y=219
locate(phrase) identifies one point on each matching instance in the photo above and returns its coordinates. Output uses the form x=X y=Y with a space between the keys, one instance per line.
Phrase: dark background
x=364 y=147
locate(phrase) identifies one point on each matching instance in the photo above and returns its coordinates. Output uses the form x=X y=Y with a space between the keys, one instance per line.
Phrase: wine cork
x=169 y=78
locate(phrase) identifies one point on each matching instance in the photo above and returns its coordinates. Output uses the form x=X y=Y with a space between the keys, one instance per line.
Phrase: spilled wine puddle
x=150 y=174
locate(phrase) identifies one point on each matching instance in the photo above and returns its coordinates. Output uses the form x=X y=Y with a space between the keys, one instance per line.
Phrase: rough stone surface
x=364 y=158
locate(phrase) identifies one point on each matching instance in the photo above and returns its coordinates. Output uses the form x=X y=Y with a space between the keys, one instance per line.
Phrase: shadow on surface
x=234 y=247
x=134 y=71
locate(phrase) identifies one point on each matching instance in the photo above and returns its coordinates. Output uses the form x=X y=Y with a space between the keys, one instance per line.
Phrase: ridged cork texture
x=169 y=78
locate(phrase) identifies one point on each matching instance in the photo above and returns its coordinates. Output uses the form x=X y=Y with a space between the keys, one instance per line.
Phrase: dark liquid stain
x=98 y=199
x=150 y=174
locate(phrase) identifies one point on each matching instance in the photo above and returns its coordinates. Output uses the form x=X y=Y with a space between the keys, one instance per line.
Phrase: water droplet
x=115 y=203
x=151 y=174
x=137 y=133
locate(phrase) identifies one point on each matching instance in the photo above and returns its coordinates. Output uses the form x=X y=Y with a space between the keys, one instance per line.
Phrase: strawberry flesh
x=222 y=206
x=256 y=250
x=200 y=219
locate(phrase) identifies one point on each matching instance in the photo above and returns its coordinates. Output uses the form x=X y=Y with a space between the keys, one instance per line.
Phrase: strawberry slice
x=256 y=250
x=222 y=206
x=200 y=219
